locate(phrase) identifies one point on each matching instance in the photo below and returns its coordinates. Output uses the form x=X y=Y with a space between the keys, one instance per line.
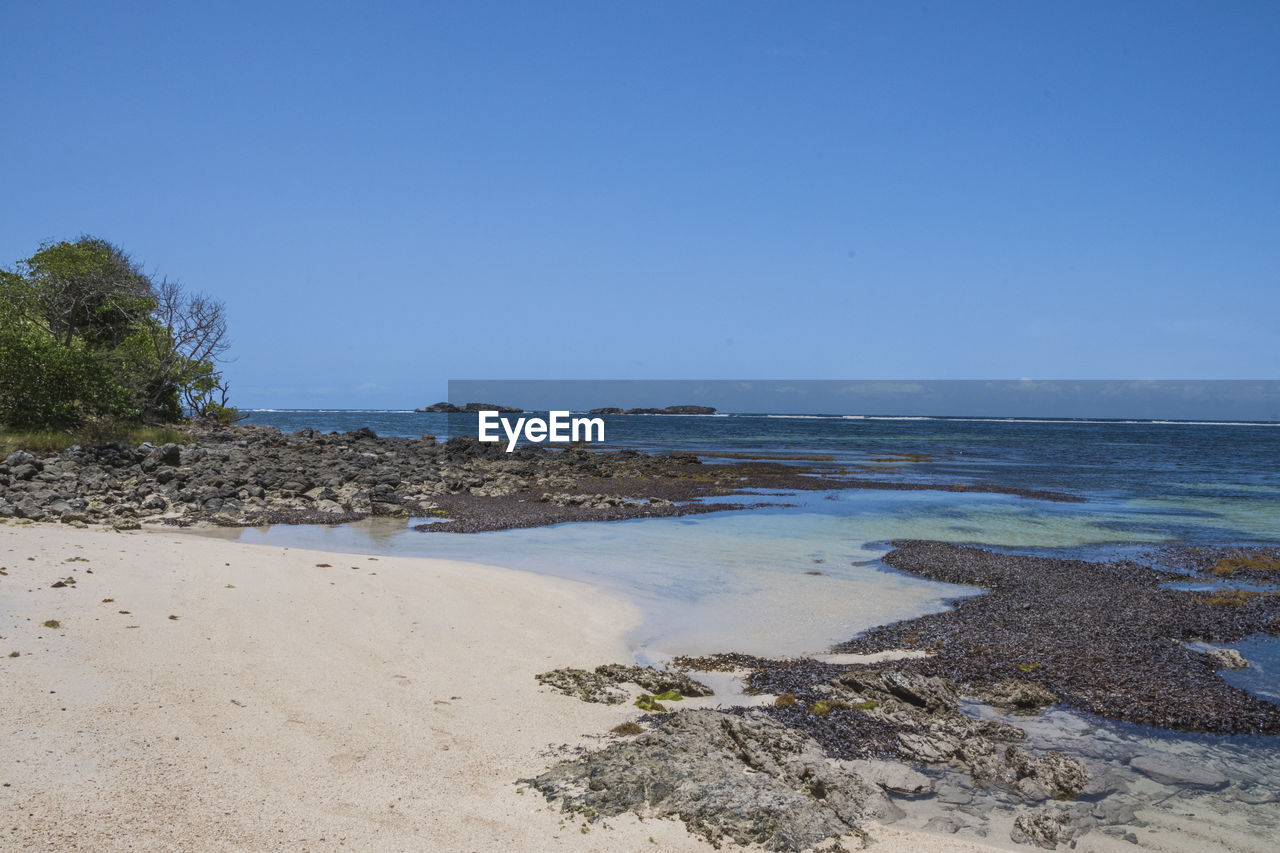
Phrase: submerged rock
x=1057 y=775
x=1016 y=695
x=1170 y=771
x=896 y=779
x=747 y=779
x=1046 y=827
x=1228 y=658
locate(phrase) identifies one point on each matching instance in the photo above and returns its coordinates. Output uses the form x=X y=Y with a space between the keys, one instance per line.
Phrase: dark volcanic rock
x=169 y=454
x=843 y=732
x=920 y=691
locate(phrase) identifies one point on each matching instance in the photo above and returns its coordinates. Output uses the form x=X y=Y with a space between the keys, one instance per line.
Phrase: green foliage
x=88 y=288
x=89 y=342
x=36 y=441
x=44 y=384
x=204 y=391
x=222 y=414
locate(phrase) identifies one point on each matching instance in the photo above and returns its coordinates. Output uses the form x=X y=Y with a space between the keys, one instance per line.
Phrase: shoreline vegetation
x=92 y=344
x=56 y=441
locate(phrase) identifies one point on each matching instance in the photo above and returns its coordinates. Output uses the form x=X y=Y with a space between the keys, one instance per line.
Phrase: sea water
x=801 y=573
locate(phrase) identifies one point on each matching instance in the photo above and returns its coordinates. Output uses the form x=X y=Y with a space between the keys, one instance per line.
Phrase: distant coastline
x=471 y=408
x=669 y=410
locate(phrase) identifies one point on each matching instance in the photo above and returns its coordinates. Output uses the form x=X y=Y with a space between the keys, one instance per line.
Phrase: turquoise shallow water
x=744 y=580
x=782 y=579
x=764 y=583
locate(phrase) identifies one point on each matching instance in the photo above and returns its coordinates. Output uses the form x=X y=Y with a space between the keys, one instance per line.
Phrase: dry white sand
x=383 y=704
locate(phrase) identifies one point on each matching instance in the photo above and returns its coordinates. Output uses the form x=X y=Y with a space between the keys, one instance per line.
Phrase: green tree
x=45 y=385
x=86 y=334
x=89 y=288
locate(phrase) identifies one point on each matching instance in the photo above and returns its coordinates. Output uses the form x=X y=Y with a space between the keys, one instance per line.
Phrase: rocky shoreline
x=768 y=776
x=842 y=743
x=846 y=743
x=256 y=475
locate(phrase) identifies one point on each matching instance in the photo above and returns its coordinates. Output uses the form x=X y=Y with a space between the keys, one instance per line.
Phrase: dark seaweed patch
x=1107 y=638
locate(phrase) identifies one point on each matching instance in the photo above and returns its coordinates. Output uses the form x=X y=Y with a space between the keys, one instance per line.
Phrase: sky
x=388 y=196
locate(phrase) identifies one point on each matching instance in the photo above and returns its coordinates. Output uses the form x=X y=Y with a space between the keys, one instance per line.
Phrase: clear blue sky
x=387 y=196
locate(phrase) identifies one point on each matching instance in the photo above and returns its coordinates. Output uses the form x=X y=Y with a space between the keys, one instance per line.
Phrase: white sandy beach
x=374 y=703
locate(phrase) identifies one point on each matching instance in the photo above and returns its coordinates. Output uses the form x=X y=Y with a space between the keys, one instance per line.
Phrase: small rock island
x=468 y=408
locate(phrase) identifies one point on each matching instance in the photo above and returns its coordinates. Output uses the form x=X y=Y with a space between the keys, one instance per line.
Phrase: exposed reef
x=813 y=766
x=1108 y=638
x=1256 y=564
x=748 y=779
x=603 y=684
